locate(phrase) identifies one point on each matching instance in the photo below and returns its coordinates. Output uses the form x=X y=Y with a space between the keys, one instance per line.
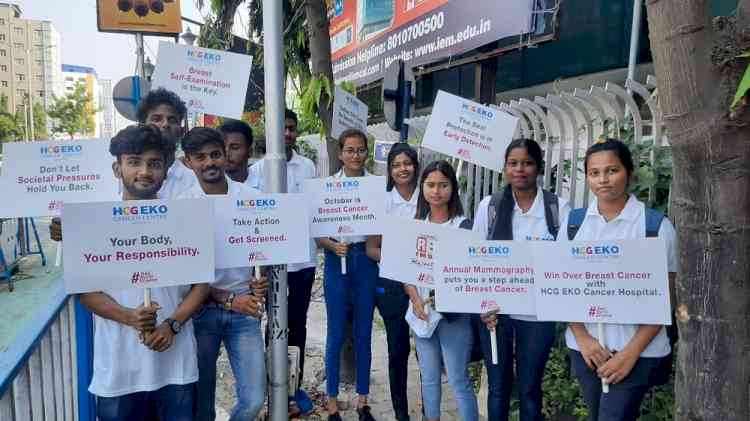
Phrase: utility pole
x=276 y=173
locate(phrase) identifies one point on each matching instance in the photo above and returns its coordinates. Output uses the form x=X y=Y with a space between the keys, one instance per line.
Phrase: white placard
x=266 y=229
x=408 y=249
x=209 y=81
x=602 y=281
x=479 y=276
x=343 y=207
x=137 y=244
x=470 y=131
x=38 y=177
x=348 y=112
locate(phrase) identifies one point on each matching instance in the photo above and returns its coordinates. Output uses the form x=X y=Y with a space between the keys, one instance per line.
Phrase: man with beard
x=145 y=362
x=238 y=141
x=300 y=275
x=232 y=313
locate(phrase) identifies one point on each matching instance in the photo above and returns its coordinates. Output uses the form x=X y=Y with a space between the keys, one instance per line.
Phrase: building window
x=2 y=37
x=41 y=94
x=3 y=53
x=5 y=84
x=20 y=92
x=68 y=78
x=2 y=21
x=20 y=61
x=21 y=76
x=4 y=67
x=37 y=34
x=19 y=46
x=19 y=30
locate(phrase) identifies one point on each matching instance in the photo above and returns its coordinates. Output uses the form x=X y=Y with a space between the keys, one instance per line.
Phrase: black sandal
x=334 y=417
x=364 y=414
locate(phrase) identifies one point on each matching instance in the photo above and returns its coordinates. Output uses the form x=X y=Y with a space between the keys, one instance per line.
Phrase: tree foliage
x=73 y=113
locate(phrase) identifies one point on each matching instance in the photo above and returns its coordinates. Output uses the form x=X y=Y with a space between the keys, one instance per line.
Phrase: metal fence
x=40 y=372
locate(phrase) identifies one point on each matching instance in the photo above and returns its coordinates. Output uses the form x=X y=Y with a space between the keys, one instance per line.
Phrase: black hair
x=396 y=150
x=135 y=139
x=455 y=208
x=198 y=137
x=291 y=115
x=352 y=133
x=158 y=97
x=615 y=146
x=532 y=148
x=238 y=126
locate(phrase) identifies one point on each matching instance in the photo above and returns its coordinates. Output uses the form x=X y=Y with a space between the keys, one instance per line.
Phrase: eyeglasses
x=349 y=151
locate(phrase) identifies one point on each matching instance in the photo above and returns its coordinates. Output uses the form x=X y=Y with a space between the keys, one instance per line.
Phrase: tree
x=9 y=130
x=698 y=69
x=40 y=122
x=73 y=113
x=217 y=32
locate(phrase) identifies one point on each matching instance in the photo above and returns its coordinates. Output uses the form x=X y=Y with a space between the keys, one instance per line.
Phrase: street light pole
x=276 y=172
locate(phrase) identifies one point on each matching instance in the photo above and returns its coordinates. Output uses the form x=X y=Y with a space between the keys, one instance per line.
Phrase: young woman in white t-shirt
x=358 y=283
x=634 y=354
x=521 y=212
x=390 y=298
x=451 y=341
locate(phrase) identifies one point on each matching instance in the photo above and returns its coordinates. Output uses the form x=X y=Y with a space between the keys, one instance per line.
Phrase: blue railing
x=45 y=372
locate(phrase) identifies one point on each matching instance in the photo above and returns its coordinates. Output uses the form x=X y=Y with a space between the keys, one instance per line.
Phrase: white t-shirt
x=179 y=180
x=630 y=224
x=236 y=280
x=298 y=169
x=529 y=226
x=396 y=205
x=122 y=365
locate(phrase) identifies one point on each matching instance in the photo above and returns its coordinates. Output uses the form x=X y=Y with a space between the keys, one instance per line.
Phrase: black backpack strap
x=492 y=210
x=551 y=212
x=466 y=224
x=653 y=222
x=575 y=220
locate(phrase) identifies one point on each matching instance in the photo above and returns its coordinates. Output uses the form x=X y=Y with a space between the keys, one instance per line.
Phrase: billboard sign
x=155 y=17
x=368 y=35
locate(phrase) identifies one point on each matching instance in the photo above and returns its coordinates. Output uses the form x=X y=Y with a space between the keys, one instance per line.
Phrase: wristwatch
x=174 y=325
x=228 y=302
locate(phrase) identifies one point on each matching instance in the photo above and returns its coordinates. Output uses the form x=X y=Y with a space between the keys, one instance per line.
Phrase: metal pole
x=26 y=122
x=31 y=95
x=635 y=35
x=406 y=101
x=276 y=172
x=139 y=53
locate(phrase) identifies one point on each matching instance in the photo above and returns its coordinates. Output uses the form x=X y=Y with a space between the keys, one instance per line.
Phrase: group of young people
x=159 y=361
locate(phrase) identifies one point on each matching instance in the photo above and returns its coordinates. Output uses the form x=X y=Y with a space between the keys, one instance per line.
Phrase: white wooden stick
x=58 y=254
x=147 y=297
x=493 y=345
x=257 y=272
x=602 y=342
x=343 y=259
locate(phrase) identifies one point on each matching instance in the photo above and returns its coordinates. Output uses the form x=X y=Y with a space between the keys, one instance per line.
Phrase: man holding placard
x=300 y=276
x=143 y=360
x=232 y=313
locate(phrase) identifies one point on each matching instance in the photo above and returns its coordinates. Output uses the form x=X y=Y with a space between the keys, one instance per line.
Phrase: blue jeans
x=358 y=288
x=533 y=342
x=175 y=402
x=244 y=343
x=623 y=402
x=450 y=345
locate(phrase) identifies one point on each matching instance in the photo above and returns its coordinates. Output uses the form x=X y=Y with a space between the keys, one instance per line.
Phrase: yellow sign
x=159 y=17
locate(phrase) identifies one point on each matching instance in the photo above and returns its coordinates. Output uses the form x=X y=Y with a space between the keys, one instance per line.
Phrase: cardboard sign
x=154 y=17
x=602 y=281
x=348 y=112
x=137 y=244
x=209 y=81
x=342 y=207
x=408 y=252
x=267 y=229
x=470 y=131
x=37 y=177
x=479 y=276
x=382 y=148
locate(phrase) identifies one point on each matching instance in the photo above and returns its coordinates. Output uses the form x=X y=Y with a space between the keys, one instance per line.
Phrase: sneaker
x=364 y=414
x=334 y=417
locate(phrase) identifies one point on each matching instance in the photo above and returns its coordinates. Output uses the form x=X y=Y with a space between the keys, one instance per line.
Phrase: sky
x=111 y=55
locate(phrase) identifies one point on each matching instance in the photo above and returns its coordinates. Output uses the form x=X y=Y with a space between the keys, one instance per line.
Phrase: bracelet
x=228 y=302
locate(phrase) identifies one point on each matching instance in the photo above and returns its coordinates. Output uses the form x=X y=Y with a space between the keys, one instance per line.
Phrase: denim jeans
x=244 y=343
x=358 y=287
x=533 y=342
x=175 y=402
x=450 y=345
x=623 y=402
x=392 y=304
